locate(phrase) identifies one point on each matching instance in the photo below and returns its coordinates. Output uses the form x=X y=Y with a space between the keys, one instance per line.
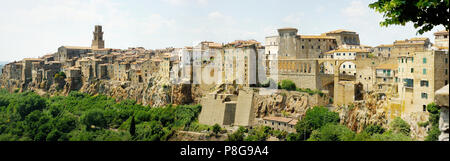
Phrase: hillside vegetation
x=80 y=117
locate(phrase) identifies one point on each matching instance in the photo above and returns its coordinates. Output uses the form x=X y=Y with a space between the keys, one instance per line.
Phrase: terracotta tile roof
x=387 y=66
x=316 y=37
x=443 y=32
x=357 y=50
x=419 y=39
x=293 y=122
x=287 y=28
x=385 y=45
x=278 y=119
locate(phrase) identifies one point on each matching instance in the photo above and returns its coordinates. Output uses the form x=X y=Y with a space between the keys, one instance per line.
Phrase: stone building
x=228 y=109
x=344 y=37
x=383 y=50
x=386 y=80
x=420 y=74
x=98 y=42
x=27 y=69
x=293 y=46
x=280 y=123
x=409 y=46
x=441 y=40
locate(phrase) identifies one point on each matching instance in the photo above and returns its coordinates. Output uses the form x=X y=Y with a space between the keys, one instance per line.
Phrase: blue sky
x=32 y=28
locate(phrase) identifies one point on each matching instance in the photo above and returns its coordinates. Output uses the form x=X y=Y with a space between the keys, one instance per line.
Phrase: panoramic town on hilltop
x=249 y=84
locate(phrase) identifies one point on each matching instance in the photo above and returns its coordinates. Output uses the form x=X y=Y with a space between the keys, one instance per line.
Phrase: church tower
x=98 y=42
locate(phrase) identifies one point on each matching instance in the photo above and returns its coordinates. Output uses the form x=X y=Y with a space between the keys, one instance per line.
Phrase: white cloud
x=356 y=9
x=48 y=24
x=293 y=19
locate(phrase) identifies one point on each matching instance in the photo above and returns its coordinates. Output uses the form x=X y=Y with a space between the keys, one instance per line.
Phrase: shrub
x=238 y=135
x=332 y=132
x=434 y=132
x=314 y=119
x=94 y=117
x=400 y=126
x=374 y=129
x=216 y=129
x=288 y=85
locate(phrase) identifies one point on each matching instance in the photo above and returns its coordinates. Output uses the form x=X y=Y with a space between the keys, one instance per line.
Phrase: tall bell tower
x=98 y=42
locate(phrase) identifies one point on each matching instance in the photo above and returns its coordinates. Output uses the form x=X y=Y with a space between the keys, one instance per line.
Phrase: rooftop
x=339 y=31
x=316 y=37
x=387 y=66
x=278 y=119
x=357 y=50
x=76 y=47
x=443 y=32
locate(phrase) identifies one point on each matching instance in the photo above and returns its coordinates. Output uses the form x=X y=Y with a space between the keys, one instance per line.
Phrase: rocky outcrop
x=413 y=119
x=154 y=94
x=362 y=113
x=292 y=103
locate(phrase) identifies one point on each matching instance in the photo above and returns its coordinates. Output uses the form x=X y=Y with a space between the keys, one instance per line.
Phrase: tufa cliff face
x=291 y=103
x=363 y=113
x=157 y=92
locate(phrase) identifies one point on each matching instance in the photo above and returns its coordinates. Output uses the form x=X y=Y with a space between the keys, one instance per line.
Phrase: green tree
x=132 y=127
x=94 y=117
x=374 y=129
x=400 y=126
x=216 y=129
x=424 y=14
x=288 y=85
x=238 y=135
x=314 y=119
x=26 y=103
x=332 y=132
x=434 y=132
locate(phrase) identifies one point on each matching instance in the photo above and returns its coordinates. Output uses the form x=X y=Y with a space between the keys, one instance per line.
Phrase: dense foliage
x=434 y=132
x=80 y=117
x=314 y=119
x=287 y=85
x=424 y=14
x=320 y=124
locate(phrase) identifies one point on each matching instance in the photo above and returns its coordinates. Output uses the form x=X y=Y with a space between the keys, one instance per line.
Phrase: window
x=424 y=96
x=446 y=60
x=412 y=70
x=446 y=82
x=384 y=79
x=424 y=108
x=446 y=71
x=344 y=54
x=303 y=47
x=408 y=82
x=424 y=60
x=424 y=83
x=424 y=71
